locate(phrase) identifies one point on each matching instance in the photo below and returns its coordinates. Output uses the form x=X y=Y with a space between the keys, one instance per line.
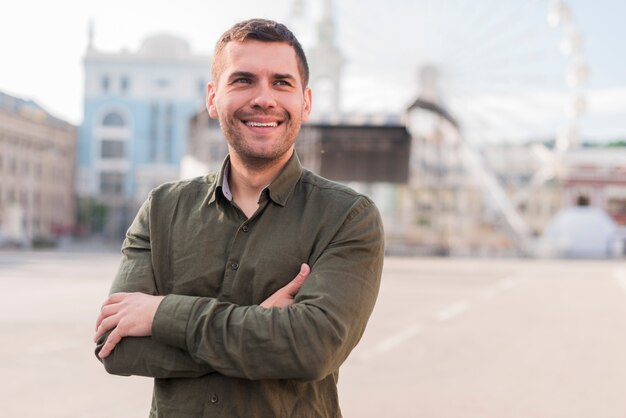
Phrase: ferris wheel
x=501 y=71
x=506 y=70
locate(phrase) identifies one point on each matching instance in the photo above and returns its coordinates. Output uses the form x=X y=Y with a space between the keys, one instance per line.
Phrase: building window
x=169 y=131
x=162 y=82
x=154 y=120
x=202 y=88
x=112 y=148
x=617 y=206
x=105 y=83
x=111 y=183
x=125 y=84
x=113 y=119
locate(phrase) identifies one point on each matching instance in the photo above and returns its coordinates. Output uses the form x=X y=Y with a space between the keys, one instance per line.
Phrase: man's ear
x=210 y=100
x=308 y=102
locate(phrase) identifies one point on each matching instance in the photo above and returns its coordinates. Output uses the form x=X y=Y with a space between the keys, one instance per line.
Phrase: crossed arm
x=192 y=336
x=132 y=314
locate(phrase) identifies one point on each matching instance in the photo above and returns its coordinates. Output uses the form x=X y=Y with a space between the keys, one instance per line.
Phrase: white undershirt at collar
x=225 y=187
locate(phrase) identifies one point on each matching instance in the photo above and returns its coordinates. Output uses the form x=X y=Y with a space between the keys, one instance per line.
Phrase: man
x=242 y=292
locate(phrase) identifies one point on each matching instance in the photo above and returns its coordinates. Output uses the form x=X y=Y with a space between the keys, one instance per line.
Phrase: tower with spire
x=90 y=34
x=326 y=62
x=300 y=22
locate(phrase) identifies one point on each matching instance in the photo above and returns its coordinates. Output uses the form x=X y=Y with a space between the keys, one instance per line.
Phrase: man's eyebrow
x=284 y=76
x=248 y=74
x=245 y=74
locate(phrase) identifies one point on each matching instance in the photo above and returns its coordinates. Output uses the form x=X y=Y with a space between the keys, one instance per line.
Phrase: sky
x=499 y=60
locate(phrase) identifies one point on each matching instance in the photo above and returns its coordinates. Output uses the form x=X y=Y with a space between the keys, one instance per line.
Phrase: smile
x=262 y=124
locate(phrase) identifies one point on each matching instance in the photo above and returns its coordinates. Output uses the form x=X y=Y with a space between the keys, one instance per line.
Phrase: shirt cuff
x=171 y=319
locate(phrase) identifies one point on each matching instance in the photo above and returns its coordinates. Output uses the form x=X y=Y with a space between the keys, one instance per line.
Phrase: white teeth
x=262 y=124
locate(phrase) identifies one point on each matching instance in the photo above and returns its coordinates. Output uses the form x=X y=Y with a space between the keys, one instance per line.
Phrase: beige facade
x=37 y=154
x=600 y=175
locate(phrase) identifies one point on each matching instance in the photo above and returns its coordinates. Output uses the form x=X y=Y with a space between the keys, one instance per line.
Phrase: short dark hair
x=259 y=30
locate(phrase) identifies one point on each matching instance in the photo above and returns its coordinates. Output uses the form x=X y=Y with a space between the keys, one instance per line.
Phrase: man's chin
x=258 y=160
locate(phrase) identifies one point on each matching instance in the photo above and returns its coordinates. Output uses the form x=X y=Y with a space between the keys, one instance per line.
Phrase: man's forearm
x=131 y=314
x=142 y=356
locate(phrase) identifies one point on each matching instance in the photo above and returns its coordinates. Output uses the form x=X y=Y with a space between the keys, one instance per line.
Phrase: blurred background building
x=136 y=111
x=462 y=123
x=446 y=176
x=37 y=153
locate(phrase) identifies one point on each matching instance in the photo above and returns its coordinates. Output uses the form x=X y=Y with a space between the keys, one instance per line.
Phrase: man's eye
x=282 y=83
x=242 y=81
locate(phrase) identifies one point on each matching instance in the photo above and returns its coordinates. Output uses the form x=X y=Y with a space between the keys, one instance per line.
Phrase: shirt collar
x=218 y=184
x=278 y=191
x=281 y=188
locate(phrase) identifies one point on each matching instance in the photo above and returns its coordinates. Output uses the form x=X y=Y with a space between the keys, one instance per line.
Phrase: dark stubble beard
x=232 y=129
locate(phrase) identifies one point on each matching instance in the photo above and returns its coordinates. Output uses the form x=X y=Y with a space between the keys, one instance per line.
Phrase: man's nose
x=263 y=97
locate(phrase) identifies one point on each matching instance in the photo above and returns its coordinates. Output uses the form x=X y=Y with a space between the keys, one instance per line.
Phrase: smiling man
x=242 y=292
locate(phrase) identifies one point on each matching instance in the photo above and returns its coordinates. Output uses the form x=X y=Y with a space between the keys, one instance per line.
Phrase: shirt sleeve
x=308 y=340
x=144 y=356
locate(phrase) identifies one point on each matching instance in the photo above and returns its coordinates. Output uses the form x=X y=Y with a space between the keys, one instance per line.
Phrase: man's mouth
x=262 y=124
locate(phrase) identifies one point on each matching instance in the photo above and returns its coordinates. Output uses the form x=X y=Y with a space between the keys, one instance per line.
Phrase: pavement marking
x=452 y=311
x=393 y=341
x=446 y=314
x=507 y=282
x=488 y=293
x=620 y=276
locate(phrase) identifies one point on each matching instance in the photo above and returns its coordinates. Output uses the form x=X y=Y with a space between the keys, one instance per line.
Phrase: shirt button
x=245 y=228
x=234 y=266
x=214 y=399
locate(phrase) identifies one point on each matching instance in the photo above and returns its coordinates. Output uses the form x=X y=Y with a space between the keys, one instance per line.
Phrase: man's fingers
x=293 y=286
x=106 y=325
x=115 y=298
x=112 y=340
x=304 y=272
x=285 y=295
x=108 y=307
x=106 y=311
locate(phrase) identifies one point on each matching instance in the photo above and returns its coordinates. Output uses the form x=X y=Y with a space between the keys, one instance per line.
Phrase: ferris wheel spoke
x=488 y=29
x=503 y=49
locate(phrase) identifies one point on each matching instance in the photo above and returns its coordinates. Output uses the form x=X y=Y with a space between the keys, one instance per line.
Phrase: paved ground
x=448 y=338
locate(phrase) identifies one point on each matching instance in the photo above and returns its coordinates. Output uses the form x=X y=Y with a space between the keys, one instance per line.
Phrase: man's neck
x=246 y=183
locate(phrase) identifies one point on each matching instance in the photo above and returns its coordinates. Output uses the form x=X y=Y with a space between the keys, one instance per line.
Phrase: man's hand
x=128 y=315
x=132 y=314
x=284 y=296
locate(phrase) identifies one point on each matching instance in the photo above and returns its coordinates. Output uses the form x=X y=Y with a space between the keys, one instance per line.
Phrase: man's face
x=259 y=100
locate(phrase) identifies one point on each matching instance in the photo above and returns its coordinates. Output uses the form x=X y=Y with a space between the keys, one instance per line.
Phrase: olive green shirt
x=214 y=352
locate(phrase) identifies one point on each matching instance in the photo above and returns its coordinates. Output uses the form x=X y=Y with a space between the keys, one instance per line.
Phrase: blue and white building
x=137 y=107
